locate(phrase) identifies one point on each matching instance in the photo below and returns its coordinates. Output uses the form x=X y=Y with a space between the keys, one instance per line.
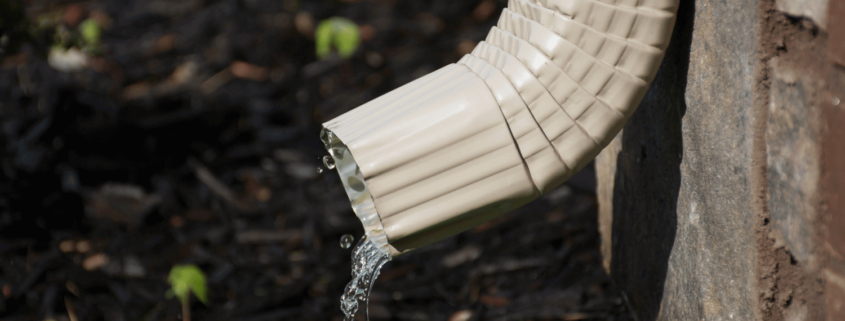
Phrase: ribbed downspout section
x=535 y=102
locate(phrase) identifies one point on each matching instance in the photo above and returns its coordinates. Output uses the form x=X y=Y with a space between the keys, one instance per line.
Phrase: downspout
x=535 y=102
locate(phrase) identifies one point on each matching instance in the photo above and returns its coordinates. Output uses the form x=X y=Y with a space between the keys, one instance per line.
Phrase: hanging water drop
x=319 y=170
x=328 y=161
x=346 y=241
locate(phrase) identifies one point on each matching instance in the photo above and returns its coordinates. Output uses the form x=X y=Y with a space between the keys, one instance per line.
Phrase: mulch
x=192 y=138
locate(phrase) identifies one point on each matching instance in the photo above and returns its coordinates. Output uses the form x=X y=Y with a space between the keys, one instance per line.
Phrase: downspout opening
x=357 y=191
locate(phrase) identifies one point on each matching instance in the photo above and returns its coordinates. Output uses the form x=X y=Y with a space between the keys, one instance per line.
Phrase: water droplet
x=346 y=241
x=324 y=136
x=328 y=161
x=319 y=170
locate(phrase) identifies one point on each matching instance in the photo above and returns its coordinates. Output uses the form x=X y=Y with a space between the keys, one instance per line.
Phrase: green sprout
x=89 y=34
x=185 y=279
x=340 y=33
x=90 y=31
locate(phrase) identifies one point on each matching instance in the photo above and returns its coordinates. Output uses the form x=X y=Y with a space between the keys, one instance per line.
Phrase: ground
x=191 y=137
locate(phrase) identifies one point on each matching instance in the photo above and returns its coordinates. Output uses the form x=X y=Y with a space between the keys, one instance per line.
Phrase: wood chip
x=136 y=90
x=95 y=261
x=83 y=246
x=249 y=71
x=211 y=84
x=163 y=44
x=494 y=301
x=67 y=246
x=484 y=10
x=264 y=236
x=465 y=47
x=466 y=254
x=72 y=14
x=462 y=315
x=367 y=33
x=304 y=23
x=177 y=221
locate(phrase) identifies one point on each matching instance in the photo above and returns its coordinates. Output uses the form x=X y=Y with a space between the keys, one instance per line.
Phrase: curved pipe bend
x=551 y=85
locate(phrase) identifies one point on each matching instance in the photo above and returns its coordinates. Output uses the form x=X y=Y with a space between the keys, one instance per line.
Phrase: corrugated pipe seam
x=536 y=101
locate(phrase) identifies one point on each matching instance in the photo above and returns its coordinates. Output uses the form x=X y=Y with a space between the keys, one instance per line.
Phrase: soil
x=192 y=138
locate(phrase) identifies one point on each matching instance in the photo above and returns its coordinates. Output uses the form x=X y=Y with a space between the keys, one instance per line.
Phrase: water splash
x=346 y=241
x=367 y=260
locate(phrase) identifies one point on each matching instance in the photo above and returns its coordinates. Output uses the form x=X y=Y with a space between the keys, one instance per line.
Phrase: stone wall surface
x=682 y=242
x=723 y=196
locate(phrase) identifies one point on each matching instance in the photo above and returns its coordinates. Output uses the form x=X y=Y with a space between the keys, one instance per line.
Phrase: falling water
x=372 y=251
x=367 y=260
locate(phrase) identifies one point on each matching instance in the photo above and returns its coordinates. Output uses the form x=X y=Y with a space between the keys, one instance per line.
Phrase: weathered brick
x=815 y=10
x=793 y=164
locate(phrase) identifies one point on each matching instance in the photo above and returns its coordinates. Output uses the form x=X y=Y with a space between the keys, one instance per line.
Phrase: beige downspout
x=534 y=103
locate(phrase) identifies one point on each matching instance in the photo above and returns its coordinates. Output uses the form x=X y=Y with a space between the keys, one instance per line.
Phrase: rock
x=722 y=198
x=682 y=221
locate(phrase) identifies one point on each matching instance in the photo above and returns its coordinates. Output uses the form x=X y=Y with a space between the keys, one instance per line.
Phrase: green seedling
x=89 y=35
x=184 y=280
x=90 y=31
x=338 y=33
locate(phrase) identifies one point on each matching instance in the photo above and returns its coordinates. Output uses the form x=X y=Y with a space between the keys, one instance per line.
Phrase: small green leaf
x=338 y=33
x=90 y=31
x=185 y=279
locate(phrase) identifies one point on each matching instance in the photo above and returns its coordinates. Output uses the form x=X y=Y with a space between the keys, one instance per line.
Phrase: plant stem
x=186 y=310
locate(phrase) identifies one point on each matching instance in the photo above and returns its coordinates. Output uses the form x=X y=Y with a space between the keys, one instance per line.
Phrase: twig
x=71 y=310
x=218 y=187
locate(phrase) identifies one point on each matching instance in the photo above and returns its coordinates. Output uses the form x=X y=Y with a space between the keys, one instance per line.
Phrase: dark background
x=192 y=137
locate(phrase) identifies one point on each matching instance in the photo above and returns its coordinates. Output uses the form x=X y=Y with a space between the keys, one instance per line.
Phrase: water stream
x=372 y=251
x=367 y=260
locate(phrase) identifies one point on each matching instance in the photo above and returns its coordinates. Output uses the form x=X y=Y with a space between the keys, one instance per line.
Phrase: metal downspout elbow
x=551 y=85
